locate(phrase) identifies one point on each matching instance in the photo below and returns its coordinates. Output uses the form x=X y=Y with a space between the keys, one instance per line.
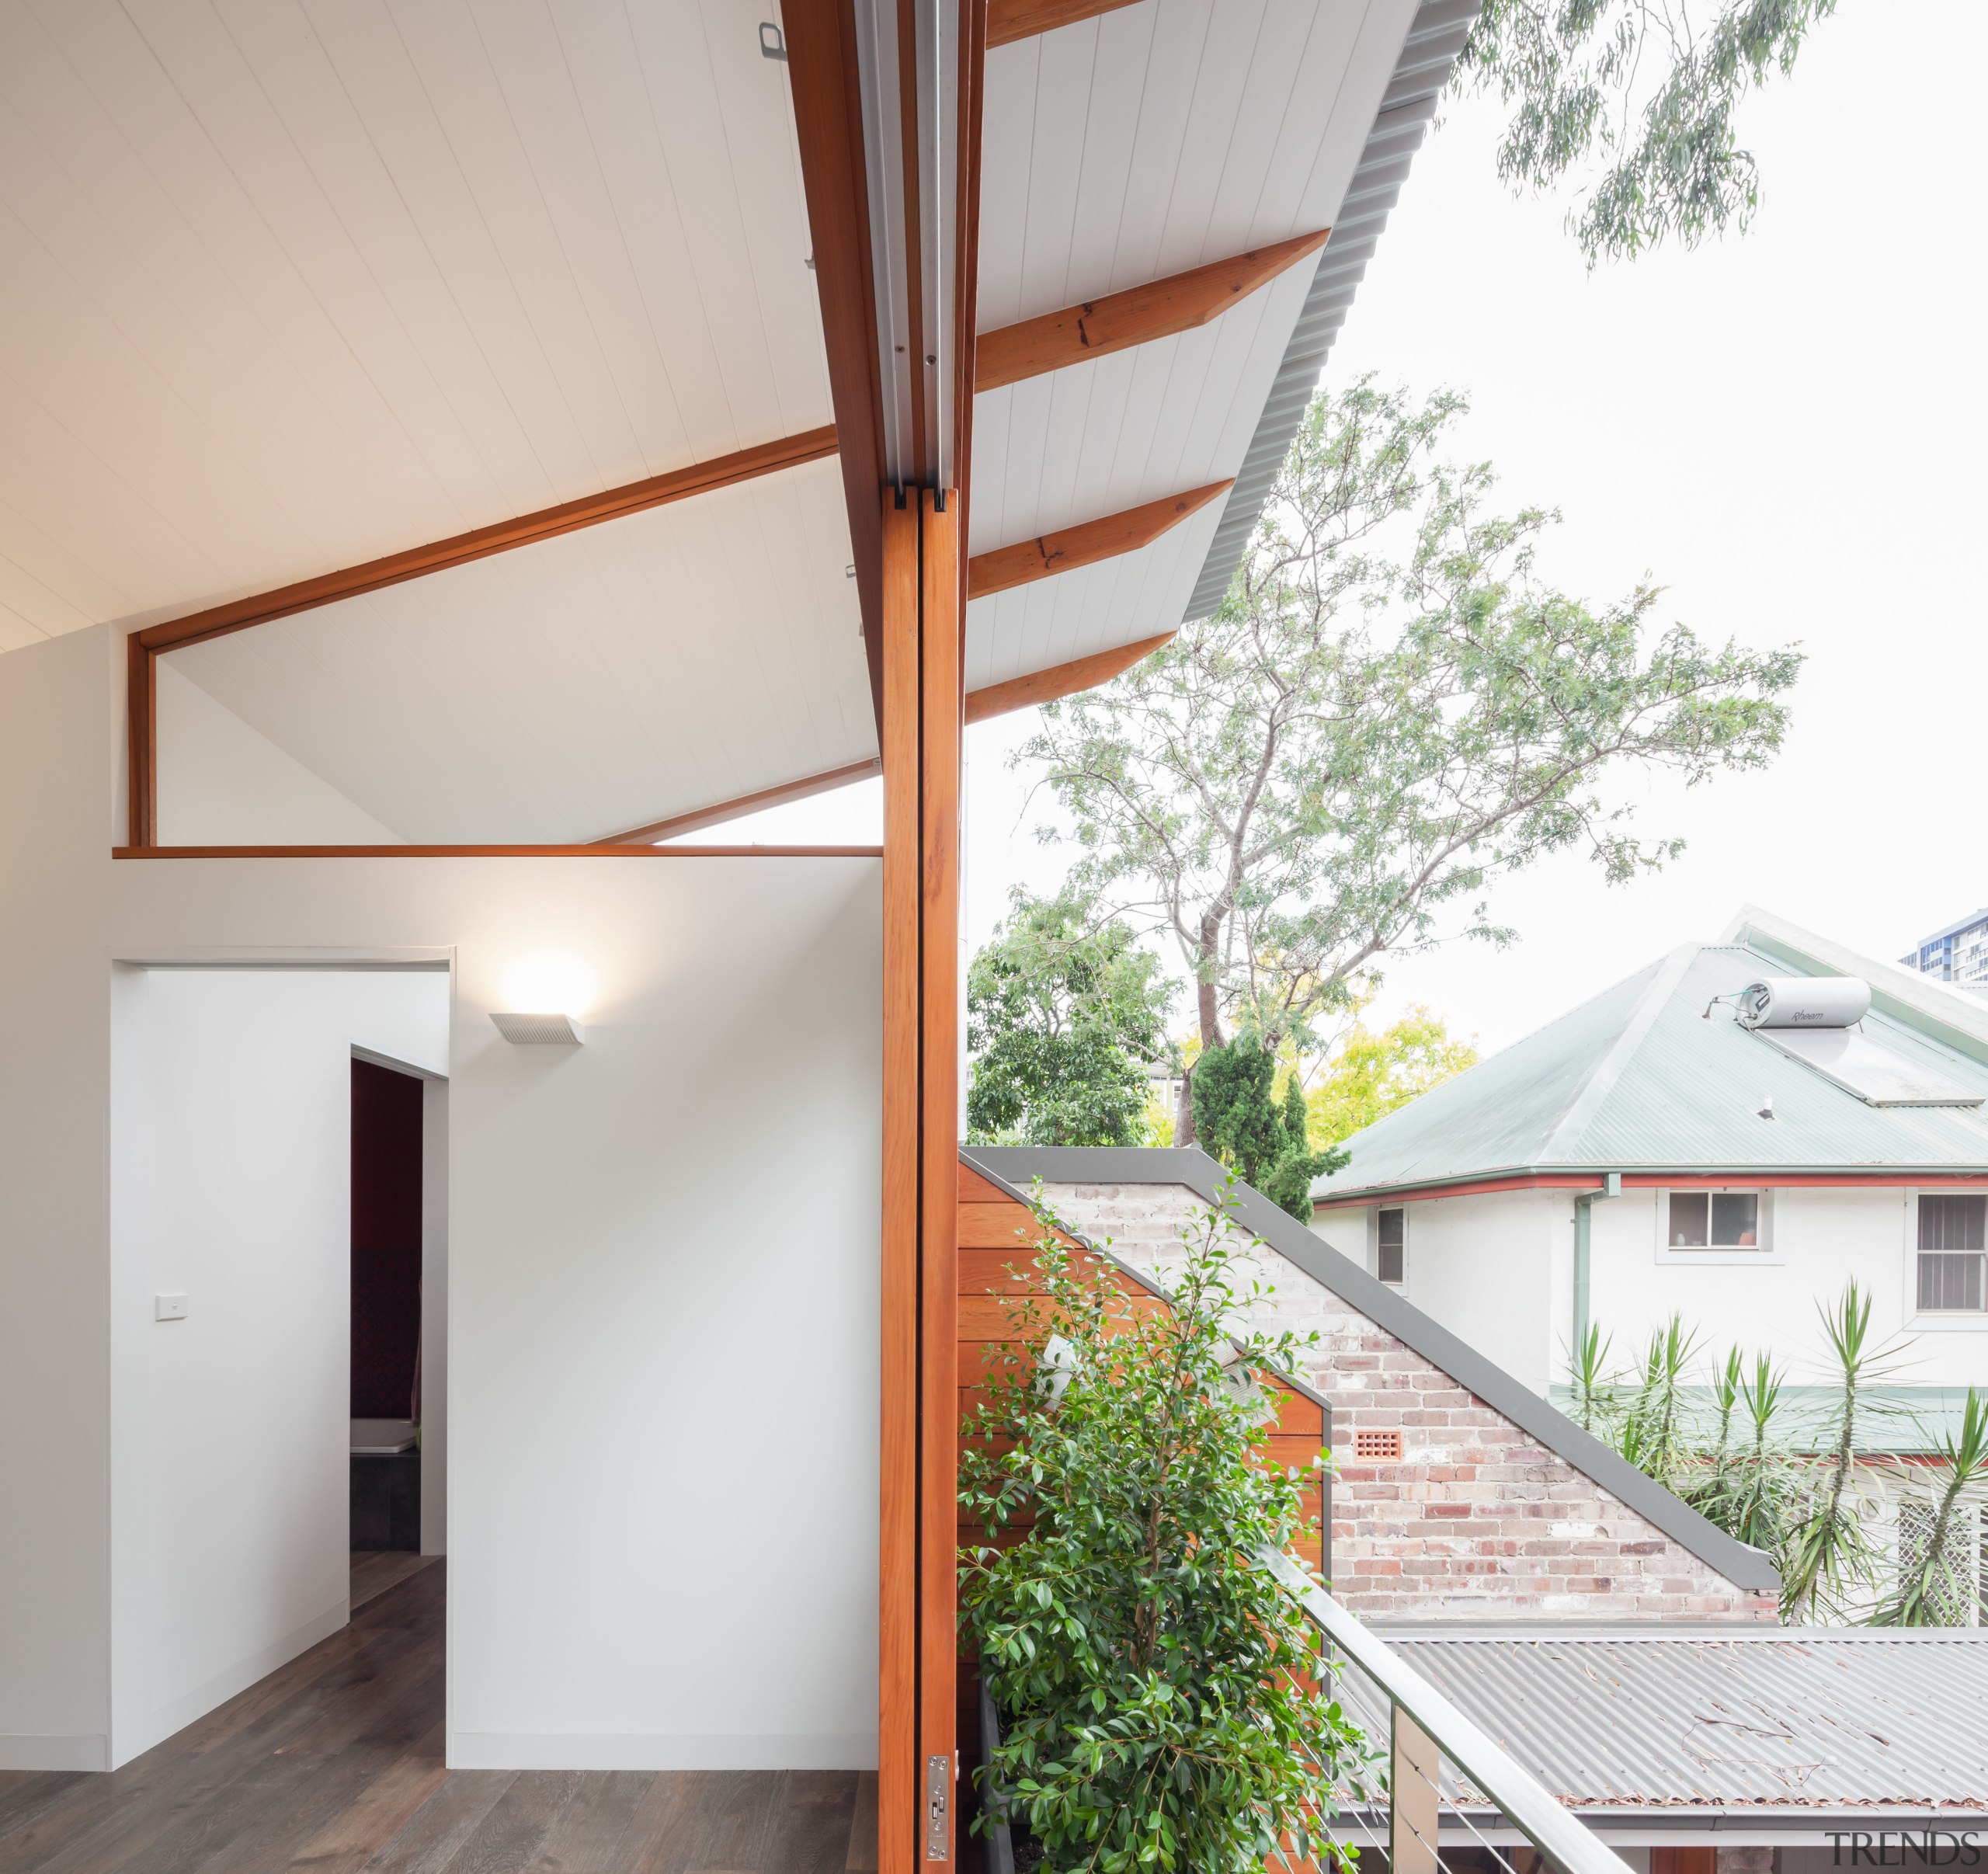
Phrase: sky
x=1783 y=429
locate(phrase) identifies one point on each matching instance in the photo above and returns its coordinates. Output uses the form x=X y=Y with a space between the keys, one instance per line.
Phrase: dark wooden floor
x=334 y=1764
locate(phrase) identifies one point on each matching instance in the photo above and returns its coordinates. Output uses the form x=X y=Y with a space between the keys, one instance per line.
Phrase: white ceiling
x=1123 y=149
x=567 y=691
x=287 y=285
x=290 y=284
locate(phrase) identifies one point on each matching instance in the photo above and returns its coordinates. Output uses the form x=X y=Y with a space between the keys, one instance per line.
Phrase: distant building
x=1957 y=954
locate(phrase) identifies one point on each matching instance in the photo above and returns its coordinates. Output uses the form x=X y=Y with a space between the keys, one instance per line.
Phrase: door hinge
x=938 y=1793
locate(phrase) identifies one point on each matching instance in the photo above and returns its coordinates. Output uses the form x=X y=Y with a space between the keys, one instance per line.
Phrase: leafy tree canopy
x=1239 y=1119
x=1389 y=710
x=1371 y=1071
x=1636 y=98
x=1065 y=1013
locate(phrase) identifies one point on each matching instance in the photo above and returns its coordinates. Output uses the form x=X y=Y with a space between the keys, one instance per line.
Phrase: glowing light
x=551 y=983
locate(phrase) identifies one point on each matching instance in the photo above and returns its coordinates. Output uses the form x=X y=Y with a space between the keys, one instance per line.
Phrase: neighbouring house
x=1648 y=1153
x=455 y=454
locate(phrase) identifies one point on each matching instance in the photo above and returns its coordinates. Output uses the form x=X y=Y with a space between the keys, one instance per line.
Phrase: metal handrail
x=1527 y=1803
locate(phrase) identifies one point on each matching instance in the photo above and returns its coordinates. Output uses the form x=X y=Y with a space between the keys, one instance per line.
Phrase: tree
x=1064 y=1014
x=1640 y=94
x=1371 y=1073
x=1388 y=711
x=1240 y=1122
x=1164 y=1706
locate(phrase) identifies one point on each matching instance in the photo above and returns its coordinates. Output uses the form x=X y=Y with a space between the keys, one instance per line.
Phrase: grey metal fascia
x=1012 y=1165
x=1428 y=55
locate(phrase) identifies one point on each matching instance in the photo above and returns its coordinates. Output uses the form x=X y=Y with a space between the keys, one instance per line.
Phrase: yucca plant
x=1592 y=1383
x=1938 y=1587
x=1830 y=1566
x=1652 y=1433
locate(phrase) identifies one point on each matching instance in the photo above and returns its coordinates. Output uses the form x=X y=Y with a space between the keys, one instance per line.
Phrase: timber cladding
x=997 y=1259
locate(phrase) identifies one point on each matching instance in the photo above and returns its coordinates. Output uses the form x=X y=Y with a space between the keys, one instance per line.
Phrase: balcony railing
x=1411 y=1810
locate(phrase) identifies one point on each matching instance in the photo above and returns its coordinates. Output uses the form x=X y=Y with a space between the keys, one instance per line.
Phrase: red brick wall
x=1477 y=1520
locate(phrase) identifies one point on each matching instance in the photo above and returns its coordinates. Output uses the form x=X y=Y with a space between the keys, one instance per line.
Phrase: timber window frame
x=1391 y=1245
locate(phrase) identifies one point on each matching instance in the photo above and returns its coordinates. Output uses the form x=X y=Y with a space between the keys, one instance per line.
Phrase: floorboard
x=333 y=1764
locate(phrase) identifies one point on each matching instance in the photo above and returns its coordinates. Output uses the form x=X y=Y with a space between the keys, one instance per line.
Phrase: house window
x=1714 y=1220
x=1391 y=1263
x=1953 y=1254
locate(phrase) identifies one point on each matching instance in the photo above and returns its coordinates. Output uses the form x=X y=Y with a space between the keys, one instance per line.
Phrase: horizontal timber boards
x=527 y=529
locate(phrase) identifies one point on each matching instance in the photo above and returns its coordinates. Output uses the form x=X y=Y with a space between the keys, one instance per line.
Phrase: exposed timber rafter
x=1008 y=20
x=1086 y=544
x=526 y=531
x=1059 y=679
x=1137 y=316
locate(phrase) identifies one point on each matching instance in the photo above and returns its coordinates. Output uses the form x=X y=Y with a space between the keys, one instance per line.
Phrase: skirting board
x=26 y=1751
x=691 y=1750
x=160 y=1724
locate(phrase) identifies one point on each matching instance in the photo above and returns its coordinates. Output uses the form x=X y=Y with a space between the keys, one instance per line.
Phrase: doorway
x=387 y=1185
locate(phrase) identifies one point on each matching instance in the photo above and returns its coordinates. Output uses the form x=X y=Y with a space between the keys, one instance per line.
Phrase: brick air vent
x=1377 y=1446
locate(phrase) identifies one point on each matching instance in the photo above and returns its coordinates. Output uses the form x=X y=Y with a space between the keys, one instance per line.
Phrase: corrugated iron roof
x=1712 y=1718
x=1638 y=1078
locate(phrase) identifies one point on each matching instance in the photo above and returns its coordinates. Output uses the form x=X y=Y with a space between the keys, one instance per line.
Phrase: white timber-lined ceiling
x=287 y=285
x=1118 y=151
x=293 y=284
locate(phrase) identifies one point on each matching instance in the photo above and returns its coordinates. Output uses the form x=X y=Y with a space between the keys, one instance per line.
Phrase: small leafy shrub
x=1166 y=1707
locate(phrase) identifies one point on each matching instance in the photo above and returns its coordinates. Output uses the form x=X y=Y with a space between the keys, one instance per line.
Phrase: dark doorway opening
x=386 y=1307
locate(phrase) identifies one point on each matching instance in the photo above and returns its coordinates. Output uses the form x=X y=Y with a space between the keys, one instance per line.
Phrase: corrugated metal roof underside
x=1638 y=1078
x=1776 y=1718
x=1428 y=55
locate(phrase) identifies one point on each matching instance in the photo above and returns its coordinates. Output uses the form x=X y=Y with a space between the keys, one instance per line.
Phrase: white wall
x=230 y=1184
x=1819 y=1239
x=663 y=1286
x=222 y=783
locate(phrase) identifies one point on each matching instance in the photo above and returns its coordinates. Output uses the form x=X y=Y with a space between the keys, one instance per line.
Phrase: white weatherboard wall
x=662 y=1390
x=230 y=1184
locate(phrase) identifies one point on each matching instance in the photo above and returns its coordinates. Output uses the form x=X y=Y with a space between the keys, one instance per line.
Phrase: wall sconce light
x=557 y=1030
x=546 y=995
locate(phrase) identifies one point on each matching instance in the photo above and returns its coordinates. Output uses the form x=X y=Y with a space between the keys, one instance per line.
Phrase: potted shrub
x=1163 y=1703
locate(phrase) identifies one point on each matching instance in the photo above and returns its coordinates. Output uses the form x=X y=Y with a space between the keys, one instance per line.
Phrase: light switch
x=168 y=1307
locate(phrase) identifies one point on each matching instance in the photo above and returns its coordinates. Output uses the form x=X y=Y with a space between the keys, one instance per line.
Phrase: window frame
x=1765 y=1253
x=1938 y=1320
x=1400 y=1287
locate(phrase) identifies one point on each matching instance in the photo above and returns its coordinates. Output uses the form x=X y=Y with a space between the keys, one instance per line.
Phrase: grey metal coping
x=1012 y=1166
x=1708 y=1726
x=1296 y=1382
x=1428 y=55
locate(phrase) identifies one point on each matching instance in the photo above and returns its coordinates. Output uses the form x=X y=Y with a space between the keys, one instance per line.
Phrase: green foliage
x=1388 y=711
x=1166 y=1707
x=1238 y=1120
x=1804 y=1493
x=1639 y=96
x=1936 y=1586
x=1371 y=1073
x=1064 y=1013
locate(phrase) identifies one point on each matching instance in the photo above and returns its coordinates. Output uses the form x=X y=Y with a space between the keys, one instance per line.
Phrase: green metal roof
x=1638 y=1080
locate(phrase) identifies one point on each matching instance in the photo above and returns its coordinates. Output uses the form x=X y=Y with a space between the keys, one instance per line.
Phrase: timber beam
x=1008 y=20
x=1086 y=544
x=1137 y=316
x=1059 y=680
